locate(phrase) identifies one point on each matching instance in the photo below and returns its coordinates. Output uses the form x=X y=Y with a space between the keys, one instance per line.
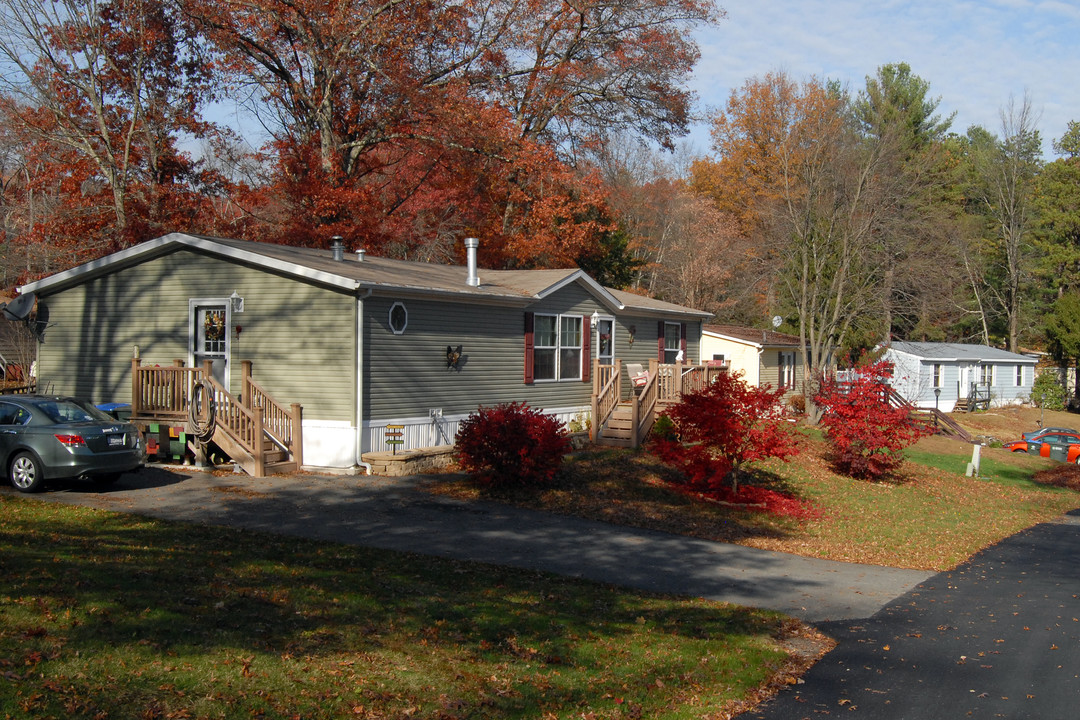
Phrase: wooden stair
x=259 y=434
x=618 y=431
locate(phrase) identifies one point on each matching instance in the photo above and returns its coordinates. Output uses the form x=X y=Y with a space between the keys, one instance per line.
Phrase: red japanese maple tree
x=866 y=434
x=719 y=429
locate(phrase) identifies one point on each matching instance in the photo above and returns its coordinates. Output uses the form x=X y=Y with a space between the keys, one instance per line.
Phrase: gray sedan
x=47 y=438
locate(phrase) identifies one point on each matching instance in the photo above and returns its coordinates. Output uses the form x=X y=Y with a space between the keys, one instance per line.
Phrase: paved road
x=999 y=637
x=396 y=514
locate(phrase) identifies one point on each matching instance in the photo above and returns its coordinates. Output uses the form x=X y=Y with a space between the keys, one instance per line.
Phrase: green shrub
x=1047 y=393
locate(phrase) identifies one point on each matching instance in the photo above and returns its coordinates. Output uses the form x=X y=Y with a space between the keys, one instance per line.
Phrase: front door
x=209 y=337
x=963 y=383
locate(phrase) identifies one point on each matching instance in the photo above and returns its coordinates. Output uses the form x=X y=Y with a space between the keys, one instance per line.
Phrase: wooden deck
x=626 y=421
x=261 y=435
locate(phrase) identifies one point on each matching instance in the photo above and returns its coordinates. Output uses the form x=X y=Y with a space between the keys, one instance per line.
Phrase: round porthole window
x=399 y=318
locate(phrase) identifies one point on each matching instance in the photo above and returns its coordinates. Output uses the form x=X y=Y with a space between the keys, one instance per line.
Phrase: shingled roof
x=372 y=273
x=753 y=336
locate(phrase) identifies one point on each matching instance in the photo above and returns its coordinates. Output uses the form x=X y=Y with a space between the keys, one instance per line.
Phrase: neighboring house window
x=787 y=370
x=1019 y=376
x=557 y=347
x=718 y=357
x=672 y=342
x=399 y=318
x=937 y=375
x=987 y=375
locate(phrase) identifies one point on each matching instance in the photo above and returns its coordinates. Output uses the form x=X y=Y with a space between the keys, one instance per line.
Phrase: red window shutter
x=660 y=340
x=528 y=348
x=586 y=348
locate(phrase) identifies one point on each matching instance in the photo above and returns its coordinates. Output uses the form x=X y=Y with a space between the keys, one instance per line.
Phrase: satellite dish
x=20 y=308
x=776 y=320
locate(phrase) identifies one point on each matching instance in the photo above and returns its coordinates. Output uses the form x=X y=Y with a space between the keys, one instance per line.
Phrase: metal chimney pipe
x=360 y=254
x=337 y=246
x=470 y=251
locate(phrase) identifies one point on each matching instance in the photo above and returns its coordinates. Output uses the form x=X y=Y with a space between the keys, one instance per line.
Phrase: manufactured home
x=343 y=353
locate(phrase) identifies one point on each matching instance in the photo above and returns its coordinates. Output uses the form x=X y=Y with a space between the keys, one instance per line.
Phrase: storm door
x=209 y=337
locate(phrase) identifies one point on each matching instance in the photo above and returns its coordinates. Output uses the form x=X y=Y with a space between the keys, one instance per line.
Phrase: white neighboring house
x=959 y=371
x=765 y=357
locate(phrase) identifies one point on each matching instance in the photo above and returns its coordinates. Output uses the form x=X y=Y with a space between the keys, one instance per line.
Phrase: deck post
x=260 y=456
x=136 y=389
x=298 y=434
x=245 y=383
x=177 y=390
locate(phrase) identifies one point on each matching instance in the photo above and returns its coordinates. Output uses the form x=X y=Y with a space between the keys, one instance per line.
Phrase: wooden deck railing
x=161 y=393
x=666 y=384
x=164 y=394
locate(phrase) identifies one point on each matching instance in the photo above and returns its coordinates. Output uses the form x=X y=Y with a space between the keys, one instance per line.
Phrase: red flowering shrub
x=866 y=434
x=722 y=427
x=512 y=443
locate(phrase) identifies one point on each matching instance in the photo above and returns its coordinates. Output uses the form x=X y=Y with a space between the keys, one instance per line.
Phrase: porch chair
x=639 y=376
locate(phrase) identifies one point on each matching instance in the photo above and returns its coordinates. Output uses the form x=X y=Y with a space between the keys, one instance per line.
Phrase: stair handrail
x=643 y=407
x=284 y=426
x=242 y=424
x=606 y=399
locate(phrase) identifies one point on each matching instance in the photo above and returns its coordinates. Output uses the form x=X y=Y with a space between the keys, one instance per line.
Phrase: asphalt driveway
x=999 y=637
x=397 y=514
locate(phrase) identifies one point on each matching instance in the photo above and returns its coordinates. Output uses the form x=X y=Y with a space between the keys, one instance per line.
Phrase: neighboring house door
x=209 y=336
x=963 y=384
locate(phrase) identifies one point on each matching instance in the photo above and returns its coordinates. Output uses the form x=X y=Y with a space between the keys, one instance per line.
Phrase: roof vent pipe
x=360 y=254
x=470 y=250
x=337 y=246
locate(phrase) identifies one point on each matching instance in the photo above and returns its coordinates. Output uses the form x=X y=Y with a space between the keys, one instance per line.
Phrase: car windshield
x=69 y=411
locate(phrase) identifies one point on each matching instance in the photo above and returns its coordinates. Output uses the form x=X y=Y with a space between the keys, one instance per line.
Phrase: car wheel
x=25 y=473
x=1020 y=450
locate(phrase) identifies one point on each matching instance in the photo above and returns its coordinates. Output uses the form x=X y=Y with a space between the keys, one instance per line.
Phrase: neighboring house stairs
x=931 y=416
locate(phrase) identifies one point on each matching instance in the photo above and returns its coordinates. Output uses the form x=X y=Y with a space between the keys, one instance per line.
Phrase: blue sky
x=973 y=53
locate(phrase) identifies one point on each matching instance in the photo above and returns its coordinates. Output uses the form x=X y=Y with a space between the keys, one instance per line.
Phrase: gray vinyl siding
x=406 y=375
x=770 y=370
x=300 y=338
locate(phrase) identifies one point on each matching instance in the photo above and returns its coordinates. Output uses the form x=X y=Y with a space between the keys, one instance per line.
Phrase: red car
x=1057 y=446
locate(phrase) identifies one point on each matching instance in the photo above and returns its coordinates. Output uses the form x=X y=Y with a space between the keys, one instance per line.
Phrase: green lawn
x=108 y=615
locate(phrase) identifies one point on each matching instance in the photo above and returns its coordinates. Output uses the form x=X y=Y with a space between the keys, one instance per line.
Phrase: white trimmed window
x=1019 y=376
x=672 y=342
x=399 y=318
x=557 y=347
x=938 y=378
x=987 y=376
x=787 y=370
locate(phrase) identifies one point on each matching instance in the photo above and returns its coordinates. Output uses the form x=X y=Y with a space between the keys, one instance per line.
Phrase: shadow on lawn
x=126 y=580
